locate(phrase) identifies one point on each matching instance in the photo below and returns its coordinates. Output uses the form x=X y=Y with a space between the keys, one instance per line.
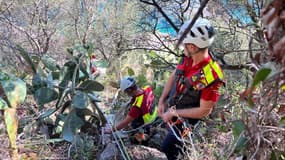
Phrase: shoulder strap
x=138 y=101
x=210 y=73
x=209 y=69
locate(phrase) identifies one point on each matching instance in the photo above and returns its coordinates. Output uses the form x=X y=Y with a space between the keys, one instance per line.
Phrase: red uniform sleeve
x=134 y=112
x=211 y=93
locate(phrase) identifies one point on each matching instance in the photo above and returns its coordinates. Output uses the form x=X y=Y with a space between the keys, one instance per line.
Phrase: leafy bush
x=66 y=92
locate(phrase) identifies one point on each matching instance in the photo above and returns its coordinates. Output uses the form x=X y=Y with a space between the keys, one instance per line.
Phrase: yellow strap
x=217 y=69
x=138 y=101
x=148 y=118
x=145 y=87
x=209 y=74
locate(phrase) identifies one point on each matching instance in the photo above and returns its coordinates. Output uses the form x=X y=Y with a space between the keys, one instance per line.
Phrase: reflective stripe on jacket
x=148 y=99
x=186 y=93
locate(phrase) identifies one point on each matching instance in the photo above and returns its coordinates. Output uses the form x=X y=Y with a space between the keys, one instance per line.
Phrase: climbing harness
x=185 y=133
x=185 y=136
x=188 y=87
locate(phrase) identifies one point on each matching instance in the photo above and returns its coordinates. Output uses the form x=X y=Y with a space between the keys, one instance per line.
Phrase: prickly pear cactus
x=14 y=90
x=12 y=93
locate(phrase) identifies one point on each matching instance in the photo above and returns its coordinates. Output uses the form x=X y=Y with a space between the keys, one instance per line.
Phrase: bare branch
x=30 y=38
x=242 y=50
x=7 y=7
x=146 y=2
x=165 y=16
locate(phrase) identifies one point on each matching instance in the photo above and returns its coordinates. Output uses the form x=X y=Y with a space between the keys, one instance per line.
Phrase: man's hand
x=161 y=107
x=167 y=116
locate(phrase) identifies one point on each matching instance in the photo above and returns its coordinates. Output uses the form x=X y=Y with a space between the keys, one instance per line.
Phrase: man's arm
x=124 y=123
x=208 y=99
x=165 y=92
x=196 y=113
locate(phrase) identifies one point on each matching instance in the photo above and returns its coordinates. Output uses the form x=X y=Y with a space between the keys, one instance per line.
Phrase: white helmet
x=201 y=34
x=127 y=82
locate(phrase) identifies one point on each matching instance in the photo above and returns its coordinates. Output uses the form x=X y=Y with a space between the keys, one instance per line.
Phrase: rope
x=118 y=142
x=121 y=146
x=140 y=127
x=189 y=134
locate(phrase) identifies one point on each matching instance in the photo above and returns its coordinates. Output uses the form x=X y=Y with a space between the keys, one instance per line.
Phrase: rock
x=157 y=138
x=155 y=141
x=139 y=152
x=110 y=152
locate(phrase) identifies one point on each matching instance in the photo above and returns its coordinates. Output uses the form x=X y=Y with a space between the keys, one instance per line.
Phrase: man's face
x=129 y=92
x=189 y=49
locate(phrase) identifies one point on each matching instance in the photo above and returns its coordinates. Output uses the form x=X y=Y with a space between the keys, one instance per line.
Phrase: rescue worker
x=193 y=86
x=143 y=110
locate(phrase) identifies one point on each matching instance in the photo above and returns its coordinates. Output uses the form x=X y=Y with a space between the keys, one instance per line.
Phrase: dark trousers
x=137 y=122
x=145 y=130
x=171 y=146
